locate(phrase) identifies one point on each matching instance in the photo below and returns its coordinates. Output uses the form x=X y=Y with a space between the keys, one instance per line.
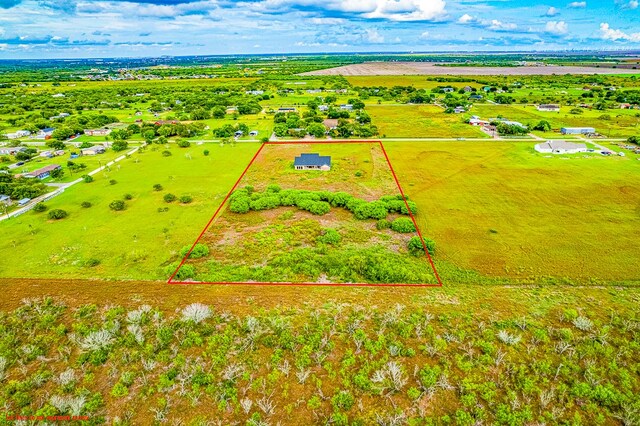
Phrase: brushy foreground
x=330 y=363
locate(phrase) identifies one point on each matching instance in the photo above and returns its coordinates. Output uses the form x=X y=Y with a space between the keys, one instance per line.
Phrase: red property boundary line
x=395 y=177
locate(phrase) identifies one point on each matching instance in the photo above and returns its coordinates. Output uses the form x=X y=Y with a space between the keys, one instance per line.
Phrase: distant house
x=323 y=108
x=508 y=122
x=312 y=162
x=577 y=130
x=346 y=107
x=18 y=134
x=560 y=147
x=459 y=109
x=467 y=89
x=61 y=115
x=93 y=150
x=97 y=132
x=43 y=172
x=330 y=123
x=24 y=201
x=46 y=154
x=476 y=121
x=11 y=150
x=475 y=97
x=5 y=199
x=448 y=89
x=138 y=113
x=486 y=88
x=163 y=122
x=254 y=92
x=44 y=133
x=58 y=95
x=287 y=109
x=622 y=106
x=548 y=107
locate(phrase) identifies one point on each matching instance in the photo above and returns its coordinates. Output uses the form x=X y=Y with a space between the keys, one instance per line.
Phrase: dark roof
x=312 y=160
x=45 y=169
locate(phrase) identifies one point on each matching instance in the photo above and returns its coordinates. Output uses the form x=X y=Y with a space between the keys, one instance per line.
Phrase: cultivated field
x=427 y=68
x=294 y=243
x=503 y=210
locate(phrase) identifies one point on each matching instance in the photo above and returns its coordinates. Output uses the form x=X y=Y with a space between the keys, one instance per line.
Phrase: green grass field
x=503 y=210
x=420 y=121
x=136 y=242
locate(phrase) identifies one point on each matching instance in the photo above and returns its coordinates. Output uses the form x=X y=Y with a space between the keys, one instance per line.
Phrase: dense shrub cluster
x=318 y=202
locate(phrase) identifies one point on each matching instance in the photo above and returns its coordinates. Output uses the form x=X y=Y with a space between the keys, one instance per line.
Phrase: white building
x=560 y=147
x=18 y=134
x=577 y=130
x=548 y=107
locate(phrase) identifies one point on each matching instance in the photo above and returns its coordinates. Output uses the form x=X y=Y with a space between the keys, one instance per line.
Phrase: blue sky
x=99 y=28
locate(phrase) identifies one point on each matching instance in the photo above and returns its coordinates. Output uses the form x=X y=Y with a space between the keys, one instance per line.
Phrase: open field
x=504 y=210
x=129 y=244
x=420 y=121
x=427 y=68
x=288 y=243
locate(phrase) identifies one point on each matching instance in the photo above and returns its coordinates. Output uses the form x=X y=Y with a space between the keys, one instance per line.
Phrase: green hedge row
x=318 y=202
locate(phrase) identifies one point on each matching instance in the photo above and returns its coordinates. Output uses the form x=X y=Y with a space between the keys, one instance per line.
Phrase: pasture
x=420 y=121
x=134 y=243
x=505 y=211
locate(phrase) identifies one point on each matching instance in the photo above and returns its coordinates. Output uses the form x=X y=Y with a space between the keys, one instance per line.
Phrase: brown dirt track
x=425 y=68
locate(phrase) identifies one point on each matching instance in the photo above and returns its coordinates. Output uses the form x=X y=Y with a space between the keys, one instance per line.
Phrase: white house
x=18 y=134
x=97 y=132
x=476 y=121
x=560 y=147
x=577 y=130
x=548 y=107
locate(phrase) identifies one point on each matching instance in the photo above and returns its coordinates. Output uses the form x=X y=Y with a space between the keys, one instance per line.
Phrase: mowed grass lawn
x=420 y=121
x=503 y=210
x=135 y=243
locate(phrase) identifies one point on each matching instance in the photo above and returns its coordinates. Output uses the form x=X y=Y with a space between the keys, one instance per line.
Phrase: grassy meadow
x=420 y=121
x=503 y=210
x=136 y=242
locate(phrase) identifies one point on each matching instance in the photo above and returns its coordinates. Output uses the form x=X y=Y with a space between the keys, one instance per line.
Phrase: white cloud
x=373 y=36
x=608 y=33
x=577 y=4
x=556 y=27
x=633 y=4
x=466 y=18
x=497 y=25
x=425 y=35
x=552 y=11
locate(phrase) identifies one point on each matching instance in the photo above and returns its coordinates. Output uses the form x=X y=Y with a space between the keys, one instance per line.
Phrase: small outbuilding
x=577 y=130
x=312 y=162
x=93 y=150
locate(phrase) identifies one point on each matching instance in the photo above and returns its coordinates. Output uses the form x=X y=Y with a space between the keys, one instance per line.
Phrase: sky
x=42 y=29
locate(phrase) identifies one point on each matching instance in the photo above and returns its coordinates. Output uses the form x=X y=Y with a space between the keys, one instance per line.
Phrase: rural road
x=61 y=187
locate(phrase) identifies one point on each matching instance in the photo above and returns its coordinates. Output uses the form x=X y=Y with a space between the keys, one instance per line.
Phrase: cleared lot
x=425 y=68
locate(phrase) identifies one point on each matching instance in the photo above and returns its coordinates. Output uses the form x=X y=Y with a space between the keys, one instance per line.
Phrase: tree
x=57 y=214
x=169 y=198
x=219 y=112
x=57 y=173
x=87 y=178
x=542 y=126
x=117 y=205
x=403 y=225
x=119 y=145
x=317 y=130
x=281 y=130
x=39 y=208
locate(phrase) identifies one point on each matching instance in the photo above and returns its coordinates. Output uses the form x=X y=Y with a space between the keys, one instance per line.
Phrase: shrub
x=57 y=214
x=183 y=143
x=185 y=272
x=199 y=250
x=239 y=205
x=383 y=224
x=163 y=209
x=330 y=236
x=113 y=182
x=403 y=224
x=205 y=152
x=196 y=312
x=128 y=197
x=92 y=262
x=39 y=208
x=186 y=199
x=85 y=205
x=117 y=205
x=169 y=198
x=87 y=178
x=373 y=210
x=166 y=153
x=319 y=208
x=415 y=246
x=265 y=203
x=157 y=187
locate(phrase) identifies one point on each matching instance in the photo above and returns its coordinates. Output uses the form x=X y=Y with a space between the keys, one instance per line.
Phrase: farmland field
x=420 y=121
x=504 y=210
x=292 y=242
